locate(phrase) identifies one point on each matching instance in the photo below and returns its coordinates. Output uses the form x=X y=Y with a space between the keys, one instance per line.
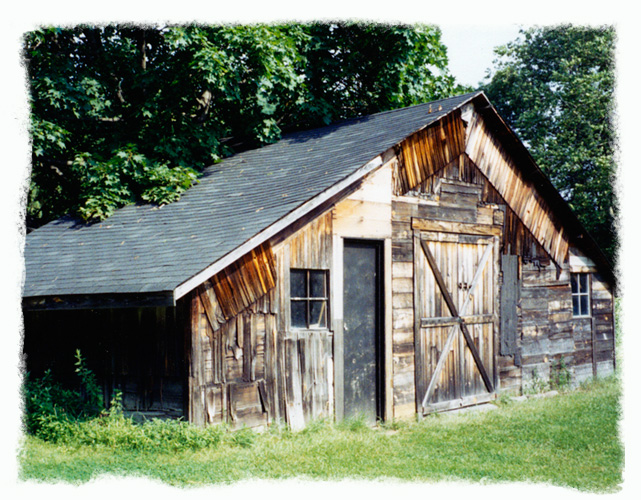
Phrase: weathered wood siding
x=454 y=188
x=245 y=281
x=487 y=152
x=248 y=366
x=229 y=363
x=428 y=151
x=304 y=368
x=483 y=185
x=232 y=327
x=603 y=341
x=551 y=336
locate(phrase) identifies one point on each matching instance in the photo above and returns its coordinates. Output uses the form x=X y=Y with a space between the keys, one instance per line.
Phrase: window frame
x=308 y=299
x=580 y=292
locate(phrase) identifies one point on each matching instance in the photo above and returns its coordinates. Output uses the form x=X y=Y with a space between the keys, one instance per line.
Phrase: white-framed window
x=309 y=296
x=580 y=294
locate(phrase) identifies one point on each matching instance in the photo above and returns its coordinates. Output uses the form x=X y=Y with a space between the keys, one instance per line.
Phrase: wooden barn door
x=455 y=319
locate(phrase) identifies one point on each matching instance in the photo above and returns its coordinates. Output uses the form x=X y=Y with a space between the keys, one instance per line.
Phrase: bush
x=50 y=407
x=78 y=418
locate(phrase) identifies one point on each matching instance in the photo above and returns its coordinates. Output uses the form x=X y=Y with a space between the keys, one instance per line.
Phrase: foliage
x=50 y=407
x=536 y=384
x=123 y=114
x=555 y=88
x=570 y=441
x=115 y=431
x=560 y=375
x=618 y=338
x=90 y=391
x=73 y=417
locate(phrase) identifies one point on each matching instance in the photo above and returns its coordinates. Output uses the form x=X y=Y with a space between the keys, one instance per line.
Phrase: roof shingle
x=144 y=248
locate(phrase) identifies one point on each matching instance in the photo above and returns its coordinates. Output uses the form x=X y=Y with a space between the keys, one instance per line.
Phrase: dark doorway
x=363 y=329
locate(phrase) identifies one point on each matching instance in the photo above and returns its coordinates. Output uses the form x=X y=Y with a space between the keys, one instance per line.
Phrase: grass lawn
x=570 y=440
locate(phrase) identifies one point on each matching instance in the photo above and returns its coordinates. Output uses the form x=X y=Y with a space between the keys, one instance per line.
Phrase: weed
x=90 y=391
x=393 y=425
x=536 y=384
x=244 y=437
x=317 y=426
x=504 y=399
x=50 y=407
x=354 y=424
x=560 y=376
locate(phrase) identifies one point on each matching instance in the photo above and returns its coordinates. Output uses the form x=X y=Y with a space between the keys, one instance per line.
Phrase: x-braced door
x=456 y=319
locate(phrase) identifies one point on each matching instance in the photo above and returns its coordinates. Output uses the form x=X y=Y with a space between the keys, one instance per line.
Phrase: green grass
x=570 y=440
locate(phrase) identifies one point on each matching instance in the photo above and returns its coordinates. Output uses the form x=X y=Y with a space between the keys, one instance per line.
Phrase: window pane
x=318 y=314
x=583 y=283
x=575 y=284
x=584 y=305
x=298 y=283
x=299 y=313
x=317 y=284
x=575 y=306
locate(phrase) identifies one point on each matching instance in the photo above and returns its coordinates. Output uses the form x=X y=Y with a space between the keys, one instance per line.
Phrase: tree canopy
x=122 y=114
x=555 y=87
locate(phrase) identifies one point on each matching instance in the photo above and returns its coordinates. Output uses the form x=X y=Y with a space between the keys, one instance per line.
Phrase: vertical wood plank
x=196 y=409
x=247 y=346
x=337 y=299
x=509 y=302
x=388 y=326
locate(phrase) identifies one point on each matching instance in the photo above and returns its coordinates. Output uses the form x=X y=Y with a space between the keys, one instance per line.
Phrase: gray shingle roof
x=145 y=249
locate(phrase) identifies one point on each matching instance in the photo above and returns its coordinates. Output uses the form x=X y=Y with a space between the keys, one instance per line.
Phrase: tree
x=555 y=88
x=122 y=114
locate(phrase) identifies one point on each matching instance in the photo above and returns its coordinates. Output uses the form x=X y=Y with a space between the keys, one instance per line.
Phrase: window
x=580 y=294
x=309 y=298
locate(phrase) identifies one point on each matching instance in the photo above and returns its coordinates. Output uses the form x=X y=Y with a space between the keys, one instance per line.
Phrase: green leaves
x=123 y=114
x=126 y=177
x=555 y=87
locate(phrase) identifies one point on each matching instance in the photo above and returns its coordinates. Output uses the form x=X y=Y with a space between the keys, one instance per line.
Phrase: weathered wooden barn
x=407 y=262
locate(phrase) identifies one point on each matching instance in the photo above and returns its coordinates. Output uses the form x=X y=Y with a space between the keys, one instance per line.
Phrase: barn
x=403 y=263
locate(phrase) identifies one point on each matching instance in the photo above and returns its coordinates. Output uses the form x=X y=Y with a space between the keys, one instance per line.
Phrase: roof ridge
x=466 y=96
x=341 y=123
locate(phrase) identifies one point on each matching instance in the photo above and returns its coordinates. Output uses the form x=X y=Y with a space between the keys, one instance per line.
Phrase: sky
x=470 y=48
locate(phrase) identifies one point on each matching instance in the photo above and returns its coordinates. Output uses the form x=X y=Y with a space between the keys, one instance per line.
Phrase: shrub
x=50 y=407
x=78 y=418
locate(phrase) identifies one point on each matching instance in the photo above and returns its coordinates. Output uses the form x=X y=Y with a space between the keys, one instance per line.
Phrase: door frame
x=384 y=400
x=492 y=232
